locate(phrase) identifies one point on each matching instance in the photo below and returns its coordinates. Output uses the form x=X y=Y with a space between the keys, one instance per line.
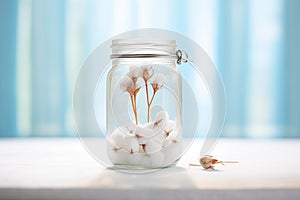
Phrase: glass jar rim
x=143 y=48
x=143 y=41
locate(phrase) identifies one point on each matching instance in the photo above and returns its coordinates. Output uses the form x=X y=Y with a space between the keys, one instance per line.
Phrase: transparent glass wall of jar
x=144 y=105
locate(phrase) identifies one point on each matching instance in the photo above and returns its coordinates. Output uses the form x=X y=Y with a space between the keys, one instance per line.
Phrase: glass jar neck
x=139 y=50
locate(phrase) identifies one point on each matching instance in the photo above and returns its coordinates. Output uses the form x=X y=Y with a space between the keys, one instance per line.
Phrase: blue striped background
x=255 y=45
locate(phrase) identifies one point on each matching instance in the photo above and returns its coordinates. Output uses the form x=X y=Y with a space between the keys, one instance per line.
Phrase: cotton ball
x=130 y=129
x=142 y=141
x=171 y=125
x=148 y=125
x=152 y=130
x=160 y=120
x=152 y=146
x=135 y=146
x=117 y=156
x=172 y=138
x=157 y=159
x=176 y=136
x=160 y=137
x=135 y=159
x=144 y=131
x=145 y=161
x=162 y=115
x=142 y=134
x=117 y=138
x=168 y=130
x=171 y=133
x=131 y=144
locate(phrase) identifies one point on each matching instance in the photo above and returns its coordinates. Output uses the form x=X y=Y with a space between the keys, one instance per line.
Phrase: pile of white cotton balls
x=151 y=145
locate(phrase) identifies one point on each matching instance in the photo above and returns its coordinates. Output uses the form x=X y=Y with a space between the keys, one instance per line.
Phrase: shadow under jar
x=144 y=104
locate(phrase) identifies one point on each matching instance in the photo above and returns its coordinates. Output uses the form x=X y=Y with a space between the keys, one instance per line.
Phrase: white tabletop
x=62 y=169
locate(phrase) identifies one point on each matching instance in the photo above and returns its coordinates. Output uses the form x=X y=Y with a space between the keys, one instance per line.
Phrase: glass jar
x=144 y=104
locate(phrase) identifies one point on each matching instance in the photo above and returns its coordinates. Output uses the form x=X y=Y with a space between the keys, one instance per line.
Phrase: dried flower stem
x=222 y=162
x=149 y=103
x=195 y=165
x=147 y=94
x=133 y=100
x=135 y=93
x=134 y=108
x=135 y=112
x=154 y=92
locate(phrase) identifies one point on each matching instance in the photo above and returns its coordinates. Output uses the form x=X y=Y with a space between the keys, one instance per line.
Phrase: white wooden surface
x=62 y=169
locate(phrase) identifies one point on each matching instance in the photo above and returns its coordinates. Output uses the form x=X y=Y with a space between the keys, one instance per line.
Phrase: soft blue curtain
x=255 y=45
x=8 y=31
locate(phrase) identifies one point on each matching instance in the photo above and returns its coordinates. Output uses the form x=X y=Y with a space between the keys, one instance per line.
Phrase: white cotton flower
x=147 y=72
x=134 y=72
x=126 y=84
x=157 y=81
